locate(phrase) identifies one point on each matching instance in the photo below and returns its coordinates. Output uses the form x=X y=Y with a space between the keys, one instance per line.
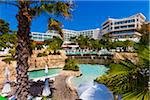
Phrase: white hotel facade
x=92 y=33
x=38 y=36
x=125 y=28
x=118 y=29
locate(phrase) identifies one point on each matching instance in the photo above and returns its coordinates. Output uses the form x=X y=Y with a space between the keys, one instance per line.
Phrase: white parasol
x=46 y=69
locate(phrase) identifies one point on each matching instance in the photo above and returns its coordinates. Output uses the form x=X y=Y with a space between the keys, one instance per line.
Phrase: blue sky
x=86 y=14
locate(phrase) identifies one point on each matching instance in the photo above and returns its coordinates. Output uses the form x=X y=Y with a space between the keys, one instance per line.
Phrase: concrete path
x=62 y=91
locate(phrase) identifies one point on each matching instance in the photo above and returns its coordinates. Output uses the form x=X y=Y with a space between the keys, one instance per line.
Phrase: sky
x=86 y=14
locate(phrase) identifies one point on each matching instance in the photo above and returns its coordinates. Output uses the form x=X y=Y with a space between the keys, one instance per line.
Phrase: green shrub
x=8 y=60
x=42 y=54
x=54 y=53
x=50 y=53
x=70 y=64
x=58 y=53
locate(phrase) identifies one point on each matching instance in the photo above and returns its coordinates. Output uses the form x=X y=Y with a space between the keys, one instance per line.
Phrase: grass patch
x=70 y=64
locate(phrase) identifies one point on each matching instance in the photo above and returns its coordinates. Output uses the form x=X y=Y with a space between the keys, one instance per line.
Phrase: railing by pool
x=83 y=52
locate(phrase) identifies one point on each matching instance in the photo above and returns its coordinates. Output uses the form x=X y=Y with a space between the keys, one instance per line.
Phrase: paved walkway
x=62 y=91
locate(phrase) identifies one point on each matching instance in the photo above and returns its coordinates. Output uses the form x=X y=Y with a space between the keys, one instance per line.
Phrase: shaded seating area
x=36 y=88
x=41 y=88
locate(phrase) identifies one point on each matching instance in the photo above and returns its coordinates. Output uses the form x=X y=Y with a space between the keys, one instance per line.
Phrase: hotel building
x=37 y=36
x=92 y=33
x=118 y=29
x=125 y=28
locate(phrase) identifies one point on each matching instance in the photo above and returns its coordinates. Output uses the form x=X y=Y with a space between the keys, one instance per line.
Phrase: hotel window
x=126 y=21
x=133 y=20
x=116 y=27
x=117 y=23
x=129 y=26
x=123 y=26
x=129 y=21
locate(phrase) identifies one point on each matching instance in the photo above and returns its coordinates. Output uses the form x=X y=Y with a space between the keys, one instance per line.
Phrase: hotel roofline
x=81 y=30
x=111 y=19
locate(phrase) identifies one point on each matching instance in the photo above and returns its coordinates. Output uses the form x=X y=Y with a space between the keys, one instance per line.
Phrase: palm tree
x=55 y=44
x=83 y=41
x=129 y=78
x=27 y=10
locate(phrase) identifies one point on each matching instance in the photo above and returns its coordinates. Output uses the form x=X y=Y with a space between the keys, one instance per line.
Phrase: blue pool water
x=89 y=73
x=41 y=73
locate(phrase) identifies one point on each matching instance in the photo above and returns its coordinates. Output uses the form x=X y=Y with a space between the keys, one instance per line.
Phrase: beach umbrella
x=97 y=92
x=82 y=87
x=46 y=91
x=6 y=89
x=46 y=69
x=7 y=72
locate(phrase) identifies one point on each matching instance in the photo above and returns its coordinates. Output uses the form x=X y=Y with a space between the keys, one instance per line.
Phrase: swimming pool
x=41 y=73
x=89 y=73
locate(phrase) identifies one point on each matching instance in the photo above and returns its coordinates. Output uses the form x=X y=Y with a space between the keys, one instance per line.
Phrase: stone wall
x=53 y=61
x=122 y=56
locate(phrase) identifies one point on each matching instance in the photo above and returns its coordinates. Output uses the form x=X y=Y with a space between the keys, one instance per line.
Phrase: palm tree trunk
x=23 y=51
x=115 y=96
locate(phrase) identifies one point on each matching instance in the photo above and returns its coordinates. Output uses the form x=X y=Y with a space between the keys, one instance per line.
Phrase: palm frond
x=57 y=8
x=116 y=82
x=55 y=25
x=114 y=68
x=136 y=95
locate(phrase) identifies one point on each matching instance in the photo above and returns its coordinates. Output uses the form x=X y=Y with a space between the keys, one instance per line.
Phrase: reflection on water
x=89 y=73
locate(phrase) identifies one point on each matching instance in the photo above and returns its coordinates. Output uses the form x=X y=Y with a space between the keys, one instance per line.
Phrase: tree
x=6 y=40
x=129 y=78
x=145 y=31
x=4 y=27
x=73 y=39
x=83 y=41
x=9 y=41
x=71 y=64
x=54 y=44
x=106 y=41
x=27 y=10
x=95 y=44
